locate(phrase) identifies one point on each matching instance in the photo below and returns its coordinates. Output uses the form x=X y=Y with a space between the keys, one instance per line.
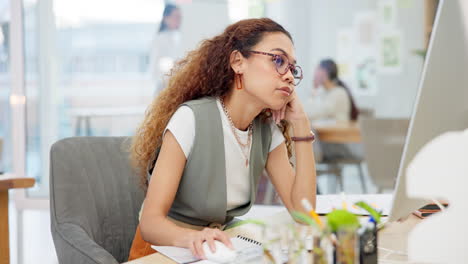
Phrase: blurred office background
x=86 y=72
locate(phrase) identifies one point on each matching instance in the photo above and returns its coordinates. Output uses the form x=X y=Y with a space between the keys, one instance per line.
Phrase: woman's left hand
x=291 y=111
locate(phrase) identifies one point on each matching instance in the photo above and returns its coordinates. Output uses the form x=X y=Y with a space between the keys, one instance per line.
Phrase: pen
x=343 y=201
x=308 y=207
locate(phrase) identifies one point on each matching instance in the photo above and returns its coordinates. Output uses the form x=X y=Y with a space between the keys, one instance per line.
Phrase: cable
x=392 y=252
x=402 y=253
x=396 y=261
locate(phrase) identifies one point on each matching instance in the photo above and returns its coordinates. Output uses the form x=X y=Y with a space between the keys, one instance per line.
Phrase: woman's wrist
x=186 y=240
x=301 y=128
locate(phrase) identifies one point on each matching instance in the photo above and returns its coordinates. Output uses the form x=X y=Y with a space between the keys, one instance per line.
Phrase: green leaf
x=302 y=217
x=340 y=218
x=248 y=221
x=376 y=215
x=420 y=52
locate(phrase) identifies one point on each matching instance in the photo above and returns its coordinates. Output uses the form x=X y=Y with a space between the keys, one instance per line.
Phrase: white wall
x=202 y=19
x=397 y=93
x=314 y=25
x=294 y=16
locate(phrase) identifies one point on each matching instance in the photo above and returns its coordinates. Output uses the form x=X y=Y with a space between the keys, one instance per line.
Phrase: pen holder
x=356 y=246
x=368 y=244
x=346 y=250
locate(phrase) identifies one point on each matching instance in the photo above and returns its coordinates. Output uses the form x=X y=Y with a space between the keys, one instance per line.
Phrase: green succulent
x=339 y=218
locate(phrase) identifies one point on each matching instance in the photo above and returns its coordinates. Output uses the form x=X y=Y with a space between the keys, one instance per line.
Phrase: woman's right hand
x=209 y=235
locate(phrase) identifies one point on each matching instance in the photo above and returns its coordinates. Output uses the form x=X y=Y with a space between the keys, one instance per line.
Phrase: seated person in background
x=207 y=137
x=331 y=98
x=332 y=101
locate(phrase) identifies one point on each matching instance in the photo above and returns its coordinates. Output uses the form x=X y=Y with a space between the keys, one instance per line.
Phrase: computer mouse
x=223 y=254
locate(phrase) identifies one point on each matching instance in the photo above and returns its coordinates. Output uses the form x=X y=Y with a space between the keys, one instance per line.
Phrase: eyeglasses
x=283 y=66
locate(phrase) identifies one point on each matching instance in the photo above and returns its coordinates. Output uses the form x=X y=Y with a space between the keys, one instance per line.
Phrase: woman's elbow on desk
x=147 y=229
x=155 y=230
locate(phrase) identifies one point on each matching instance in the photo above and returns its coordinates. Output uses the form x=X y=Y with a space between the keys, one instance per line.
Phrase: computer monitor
x=442 y=100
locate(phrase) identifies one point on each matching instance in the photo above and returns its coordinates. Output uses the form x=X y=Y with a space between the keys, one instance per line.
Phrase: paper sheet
x=381 y=202
x=244 y=249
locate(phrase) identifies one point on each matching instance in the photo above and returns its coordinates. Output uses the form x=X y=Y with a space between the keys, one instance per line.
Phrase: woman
x=222 y=120
x=332 y=101
x=166 y=46
x=335 y=101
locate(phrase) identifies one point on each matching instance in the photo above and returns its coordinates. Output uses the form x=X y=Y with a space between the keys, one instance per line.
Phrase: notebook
x=246 y=249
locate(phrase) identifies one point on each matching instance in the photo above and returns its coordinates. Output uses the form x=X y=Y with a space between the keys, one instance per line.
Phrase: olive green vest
x=201 y=196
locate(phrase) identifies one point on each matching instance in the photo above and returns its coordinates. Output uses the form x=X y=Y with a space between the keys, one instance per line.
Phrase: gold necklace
x=244 y=147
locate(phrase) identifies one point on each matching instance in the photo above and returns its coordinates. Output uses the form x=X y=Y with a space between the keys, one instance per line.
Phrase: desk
x=338 y=132
x=85 y=115
x=7 y=182
x=393 y=237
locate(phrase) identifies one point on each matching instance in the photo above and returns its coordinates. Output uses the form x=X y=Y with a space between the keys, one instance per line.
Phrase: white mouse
x=223 y=254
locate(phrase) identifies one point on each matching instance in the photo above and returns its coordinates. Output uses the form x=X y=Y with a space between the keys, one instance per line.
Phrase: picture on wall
x=387 y=13
x=390 y=52
x=365 y=73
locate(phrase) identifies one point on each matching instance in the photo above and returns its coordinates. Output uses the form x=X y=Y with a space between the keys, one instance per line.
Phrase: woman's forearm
x=305 y=179
x=161 y=231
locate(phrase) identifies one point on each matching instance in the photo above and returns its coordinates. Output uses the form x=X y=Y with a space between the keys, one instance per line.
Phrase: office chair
x=94 y=199
x=332 y=158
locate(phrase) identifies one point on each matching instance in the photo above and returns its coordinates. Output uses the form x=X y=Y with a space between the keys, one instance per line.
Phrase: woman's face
x=320 y=76
x=173 y=20
x=260 y=75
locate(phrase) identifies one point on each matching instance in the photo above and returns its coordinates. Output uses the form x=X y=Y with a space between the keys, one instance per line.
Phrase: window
x=85 y=72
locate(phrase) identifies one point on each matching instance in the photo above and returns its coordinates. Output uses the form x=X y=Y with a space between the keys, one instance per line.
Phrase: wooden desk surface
x=392 y=237
x=338 y=132
x=7 y=182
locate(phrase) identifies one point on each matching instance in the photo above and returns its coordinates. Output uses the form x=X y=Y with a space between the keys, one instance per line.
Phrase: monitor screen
x=441 y=102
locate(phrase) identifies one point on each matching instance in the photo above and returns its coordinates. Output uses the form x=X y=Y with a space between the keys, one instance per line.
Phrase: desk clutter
x=339 y=238
x=343 y=238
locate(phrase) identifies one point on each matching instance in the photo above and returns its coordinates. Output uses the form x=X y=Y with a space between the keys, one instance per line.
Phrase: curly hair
x=205 y=71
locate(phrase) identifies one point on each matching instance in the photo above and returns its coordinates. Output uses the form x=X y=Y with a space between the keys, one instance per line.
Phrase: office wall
x=314 y=25
x=321 y=22
x=294 y=16
x=201 y=20
x=397 y=93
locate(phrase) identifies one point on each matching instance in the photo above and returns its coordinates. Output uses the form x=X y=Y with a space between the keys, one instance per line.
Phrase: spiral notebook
x=246 y=248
